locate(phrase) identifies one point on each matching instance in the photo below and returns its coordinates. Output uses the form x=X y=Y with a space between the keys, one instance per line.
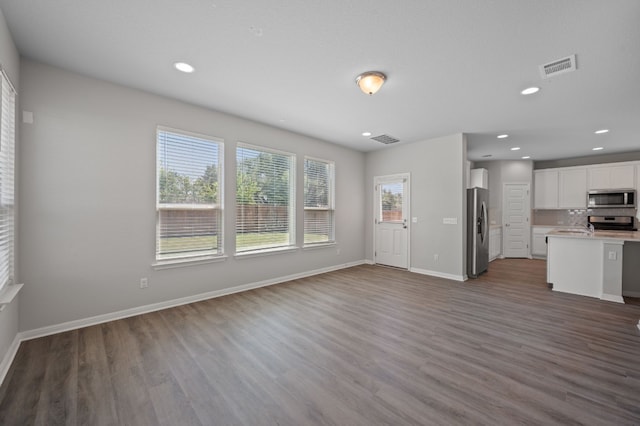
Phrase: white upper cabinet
x=567 y=187
x=479 y=178
x=545 y=194
x=612 y=177
x=572 y=192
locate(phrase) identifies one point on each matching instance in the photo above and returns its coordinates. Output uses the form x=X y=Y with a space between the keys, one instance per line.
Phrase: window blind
x=319 y=221
x=265 y=199
x=7 y=180
x=189 y=195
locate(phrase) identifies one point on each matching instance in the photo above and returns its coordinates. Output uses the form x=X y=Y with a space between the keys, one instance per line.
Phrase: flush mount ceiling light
x=601 y=131
x=598 y=148
x=530 y=90
x=366 y=133
x=515 y=148
x=370 y=82
x=184 y=67
x=526 y=157
x=503 y=136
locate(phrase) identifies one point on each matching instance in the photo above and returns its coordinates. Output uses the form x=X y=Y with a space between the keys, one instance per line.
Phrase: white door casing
x=391 y=220
x=515 y=217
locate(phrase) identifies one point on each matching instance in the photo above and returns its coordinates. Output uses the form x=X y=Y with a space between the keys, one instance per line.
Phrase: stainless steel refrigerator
x=477 y=231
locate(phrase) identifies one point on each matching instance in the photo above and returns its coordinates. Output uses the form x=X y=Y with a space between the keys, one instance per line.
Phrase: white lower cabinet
x=495 y=243
x=539 y=246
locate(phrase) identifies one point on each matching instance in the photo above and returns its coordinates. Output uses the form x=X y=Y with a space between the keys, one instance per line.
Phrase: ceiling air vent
x=385 y=139
x=559 y=66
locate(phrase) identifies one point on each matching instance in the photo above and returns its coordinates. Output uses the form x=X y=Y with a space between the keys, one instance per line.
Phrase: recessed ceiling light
x=366 y=133
x=526 y=157
x=530 y=90
x=184 y=67
x=515 y=148
x=598 y=148
x=601 y=131
x=503 y=136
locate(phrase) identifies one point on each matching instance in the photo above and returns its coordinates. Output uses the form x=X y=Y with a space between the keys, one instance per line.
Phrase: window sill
x=8 y=293
x=188 y=261
x=319 y=245
x=265 y=252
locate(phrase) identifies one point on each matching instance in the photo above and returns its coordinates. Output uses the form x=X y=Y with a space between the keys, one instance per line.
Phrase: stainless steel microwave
x=612 y=198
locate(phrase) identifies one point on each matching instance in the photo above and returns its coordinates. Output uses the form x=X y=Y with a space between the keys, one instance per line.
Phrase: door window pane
x=391 y=202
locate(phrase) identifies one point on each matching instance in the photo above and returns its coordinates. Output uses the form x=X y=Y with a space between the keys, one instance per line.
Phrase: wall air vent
x=385 y=139
x=559 y=66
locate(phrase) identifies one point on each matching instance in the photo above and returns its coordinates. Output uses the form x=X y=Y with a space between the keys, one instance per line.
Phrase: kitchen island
x=588 y=263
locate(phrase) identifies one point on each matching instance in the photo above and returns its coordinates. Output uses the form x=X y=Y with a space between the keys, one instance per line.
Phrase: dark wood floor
x=362 y=346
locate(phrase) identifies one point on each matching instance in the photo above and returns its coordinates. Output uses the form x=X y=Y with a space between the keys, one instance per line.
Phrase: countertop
x=597 y=235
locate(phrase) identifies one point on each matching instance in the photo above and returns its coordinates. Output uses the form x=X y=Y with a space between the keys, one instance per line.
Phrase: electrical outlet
x=436 y=257
x=144 y=282
x=612 y=255
x=337 y=252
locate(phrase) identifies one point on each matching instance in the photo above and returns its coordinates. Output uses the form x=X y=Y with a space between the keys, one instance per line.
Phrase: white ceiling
x=452 y=65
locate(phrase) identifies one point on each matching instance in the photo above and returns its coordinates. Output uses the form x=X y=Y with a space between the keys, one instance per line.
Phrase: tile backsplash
x=575 y=217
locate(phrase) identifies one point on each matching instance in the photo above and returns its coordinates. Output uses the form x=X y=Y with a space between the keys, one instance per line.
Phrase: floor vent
x=559 y=66
x=385 y=139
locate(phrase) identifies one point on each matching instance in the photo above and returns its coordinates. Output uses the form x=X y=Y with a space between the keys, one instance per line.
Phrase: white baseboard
x=99 y=319
x=612 y=298
x=631 y=293
x=437 y=274
x=8 y=357
x=369 y=262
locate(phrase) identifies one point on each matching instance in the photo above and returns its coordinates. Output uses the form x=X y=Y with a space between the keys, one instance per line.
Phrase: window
x=318 y=201
x=7 y=187
x=265 y=199
x=391 y=202
x=188 y=196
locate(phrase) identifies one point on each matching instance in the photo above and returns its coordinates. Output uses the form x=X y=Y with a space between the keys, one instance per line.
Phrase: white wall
x=88 y=208
x=438 y=190
x=10 y=61
x=501 y=172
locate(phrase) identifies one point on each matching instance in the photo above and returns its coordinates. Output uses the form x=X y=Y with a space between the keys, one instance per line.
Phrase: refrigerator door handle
x=485 y=219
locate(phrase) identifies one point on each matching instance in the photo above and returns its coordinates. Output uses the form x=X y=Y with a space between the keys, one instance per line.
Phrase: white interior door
x=391 y=227
x=515 y=218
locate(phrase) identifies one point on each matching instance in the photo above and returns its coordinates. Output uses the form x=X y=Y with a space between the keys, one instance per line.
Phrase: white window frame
x=201 y=255
x=330 y=201
x=7 y=181
x=276 y=248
